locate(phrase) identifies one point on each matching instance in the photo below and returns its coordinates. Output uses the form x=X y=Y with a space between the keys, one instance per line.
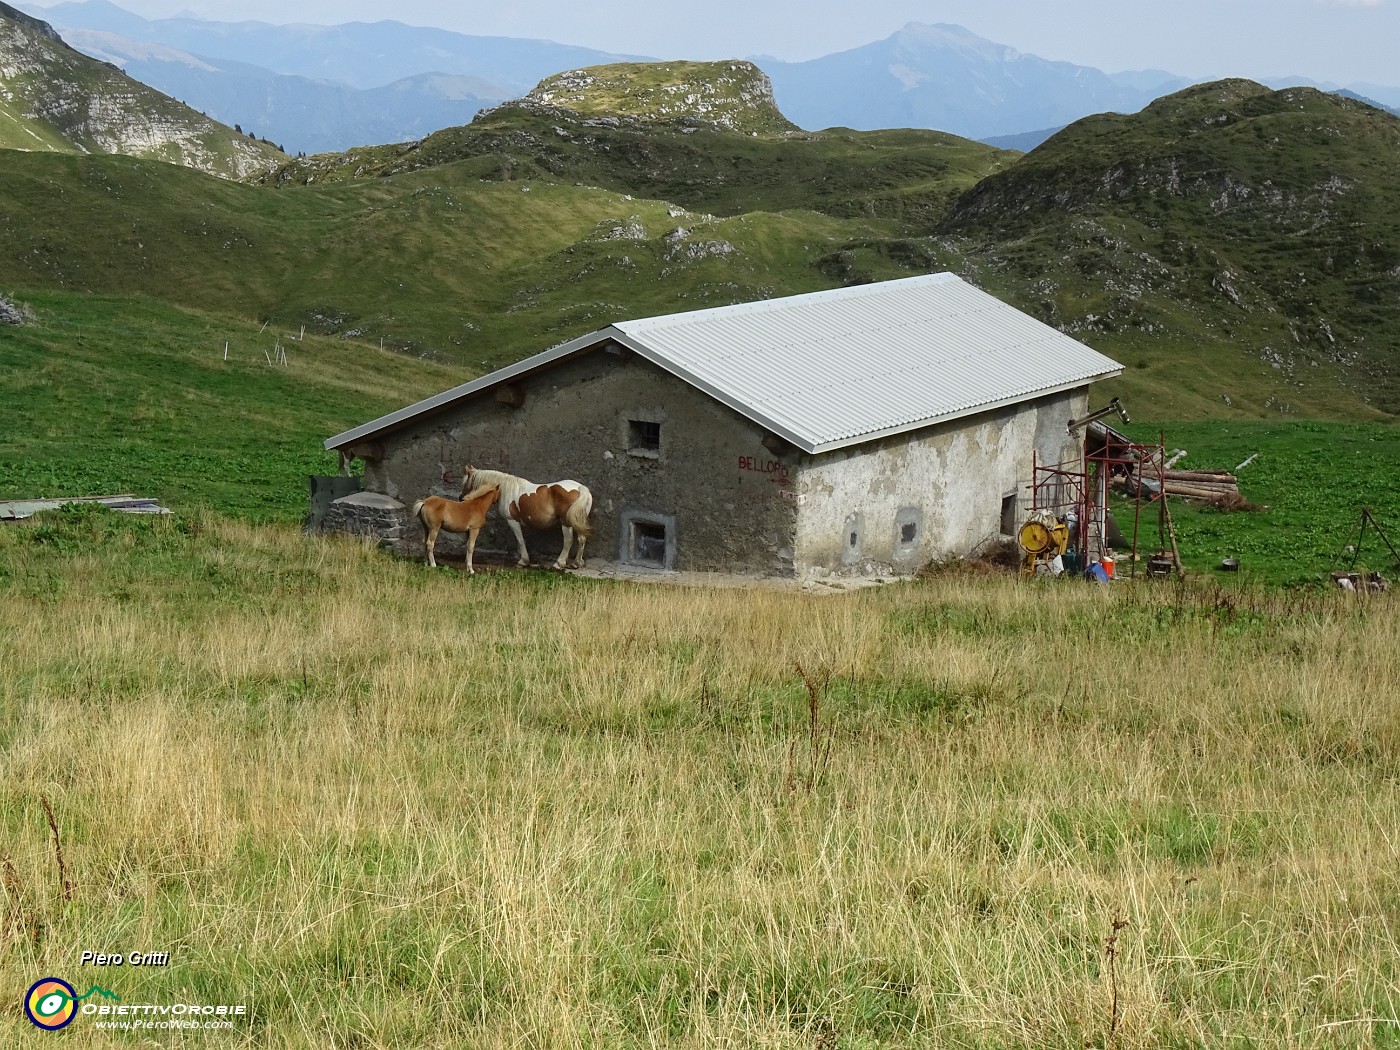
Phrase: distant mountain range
x=318 y=88
x=945 y=77
x=303 y=113
x=328 y=88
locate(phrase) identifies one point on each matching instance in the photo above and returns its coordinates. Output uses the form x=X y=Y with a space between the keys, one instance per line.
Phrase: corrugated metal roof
x=840 y=367
x=19 y=509
x=836 y=368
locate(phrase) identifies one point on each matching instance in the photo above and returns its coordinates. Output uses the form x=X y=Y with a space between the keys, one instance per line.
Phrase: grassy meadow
x=1307 y=484
x=384 y=806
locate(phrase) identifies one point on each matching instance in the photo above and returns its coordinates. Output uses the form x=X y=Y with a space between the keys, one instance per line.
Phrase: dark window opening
x=853 y=539
x=1008 y=515
x=644 y=434
x=649 y=543
x=908 y=532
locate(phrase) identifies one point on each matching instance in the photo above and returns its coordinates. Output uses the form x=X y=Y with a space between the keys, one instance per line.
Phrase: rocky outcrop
x=68 y=102
x=735 y=96
x=9 y=312
x=40 y=27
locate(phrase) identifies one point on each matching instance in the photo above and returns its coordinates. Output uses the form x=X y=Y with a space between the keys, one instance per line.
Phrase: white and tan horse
x=438 y=512
x=525 y=503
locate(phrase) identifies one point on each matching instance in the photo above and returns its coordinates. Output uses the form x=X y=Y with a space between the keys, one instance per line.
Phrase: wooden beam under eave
x=364 y=450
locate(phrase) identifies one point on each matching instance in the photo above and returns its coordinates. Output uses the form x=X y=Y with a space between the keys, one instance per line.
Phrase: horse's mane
x=493 y=477
x=481 y=487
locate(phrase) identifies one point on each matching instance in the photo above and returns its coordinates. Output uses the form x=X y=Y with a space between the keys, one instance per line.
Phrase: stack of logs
x=1212 y=485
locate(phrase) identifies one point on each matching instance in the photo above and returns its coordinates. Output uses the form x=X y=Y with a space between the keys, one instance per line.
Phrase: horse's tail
x=576 y=517
x=417 y=509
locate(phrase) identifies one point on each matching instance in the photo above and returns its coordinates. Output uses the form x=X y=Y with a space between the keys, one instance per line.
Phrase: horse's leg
x=471 y=546
x=568 y=545
x=582 y=541
x=432 y=542
x=520 y=542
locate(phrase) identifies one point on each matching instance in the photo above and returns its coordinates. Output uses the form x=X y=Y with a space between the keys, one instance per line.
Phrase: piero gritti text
x=129 y=959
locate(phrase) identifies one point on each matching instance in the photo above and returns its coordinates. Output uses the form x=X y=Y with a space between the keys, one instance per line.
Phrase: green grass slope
x=53 y=98
x=1244 y=241
x=107 y=395
x=436 y=262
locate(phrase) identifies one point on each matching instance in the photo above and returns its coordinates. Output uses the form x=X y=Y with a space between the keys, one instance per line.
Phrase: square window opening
x=644 y=434
x=648 y=544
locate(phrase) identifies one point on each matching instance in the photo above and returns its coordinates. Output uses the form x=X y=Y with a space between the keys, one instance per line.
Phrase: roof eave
x=971 y=410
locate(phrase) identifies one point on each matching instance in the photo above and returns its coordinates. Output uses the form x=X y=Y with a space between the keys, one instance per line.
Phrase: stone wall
x=374 y=515
x=679 y=481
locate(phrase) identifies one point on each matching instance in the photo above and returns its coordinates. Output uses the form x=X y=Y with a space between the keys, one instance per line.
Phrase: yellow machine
x=1044 y=539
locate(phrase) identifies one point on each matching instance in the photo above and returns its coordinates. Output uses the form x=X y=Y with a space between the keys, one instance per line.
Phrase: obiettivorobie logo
x=52 y=1003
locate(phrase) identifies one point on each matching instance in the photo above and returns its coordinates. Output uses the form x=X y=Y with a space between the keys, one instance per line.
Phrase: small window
x=1008 y=515
x=649 y=543
x=854 y=538
x=908 y=533
x=643 y=435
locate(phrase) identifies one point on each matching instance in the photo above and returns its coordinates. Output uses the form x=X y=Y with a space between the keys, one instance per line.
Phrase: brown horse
x=562 y=503
x=469 y=515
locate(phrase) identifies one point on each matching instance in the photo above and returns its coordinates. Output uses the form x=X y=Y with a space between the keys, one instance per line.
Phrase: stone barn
x=862 y=430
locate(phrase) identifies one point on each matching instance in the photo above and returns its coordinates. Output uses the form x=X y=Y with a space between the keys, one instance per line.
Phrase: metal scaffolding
x=1076 y=492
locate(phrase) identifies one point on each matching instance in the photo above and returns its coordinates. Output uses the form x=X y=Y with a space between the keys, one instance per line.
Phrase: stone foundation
x=373 y=515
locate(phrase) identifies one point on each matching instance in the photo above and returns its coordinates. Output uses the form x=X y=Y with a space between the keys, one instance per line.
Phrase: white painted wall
x=948 y=480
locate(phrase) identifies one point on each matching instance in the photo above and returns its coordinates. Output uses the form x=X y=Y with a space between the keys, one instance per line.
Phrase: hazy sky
x=1337 y=40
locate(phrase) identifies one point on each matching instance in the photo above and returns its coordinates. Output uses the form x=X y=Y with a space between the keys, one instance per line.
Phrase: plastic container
x=1107 y=563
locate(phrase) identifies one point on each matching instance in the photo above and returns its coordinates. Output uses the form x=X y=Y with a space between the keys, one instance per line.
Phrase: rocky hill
x=706 y=136
x=56 y=99
x=735 y=96
x=1223 y=214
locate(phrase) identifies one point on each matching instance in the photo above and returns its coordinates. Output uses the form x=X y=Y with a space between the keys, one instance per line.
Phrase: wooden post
x=1171 y=531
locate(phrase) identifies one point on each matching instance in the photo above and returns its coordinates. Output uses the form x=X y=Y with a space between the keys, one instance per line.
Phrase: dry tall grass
x=386 y=807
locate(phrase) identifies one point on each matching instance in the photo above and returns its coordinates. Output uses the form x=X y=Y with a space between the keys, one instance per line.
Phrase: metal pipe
x=1113 y=406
